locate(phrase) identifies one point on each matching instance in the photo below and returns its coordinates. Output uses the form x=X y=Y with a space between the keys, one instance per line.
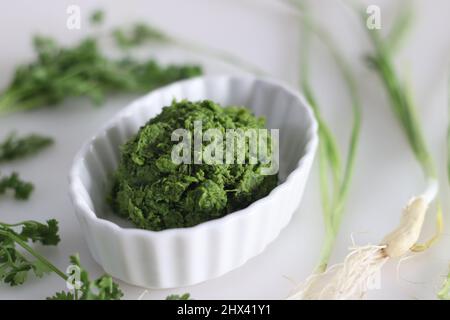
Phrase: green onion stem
x=402 y=106
x=401 y=102
x=329 y=154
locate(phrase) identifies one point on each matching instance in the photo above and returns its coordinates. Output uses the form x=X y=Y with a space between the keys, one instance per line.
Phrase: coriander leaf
x=14 y=265
x=47 y=234
x=97 y=17
x=14 y=147
x=83 y=71
x=185 y=296
x=40 y=268
x=17 y=278
x=103 y=288
x=63 y=295
x=21 y=189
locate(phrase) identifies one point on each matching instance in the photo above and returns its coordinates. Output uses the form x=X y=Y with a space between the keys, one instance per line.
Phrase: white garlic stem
x=348 y=280
x=399 y=241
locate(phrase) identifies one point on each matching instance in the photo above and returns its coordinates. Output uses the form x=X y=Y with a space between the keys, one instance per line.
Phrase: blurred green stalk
x=331 y=170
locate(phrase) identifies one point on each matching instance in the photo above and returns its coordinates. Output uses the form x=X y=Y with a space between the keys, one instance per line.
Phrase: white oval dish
x=186 y=256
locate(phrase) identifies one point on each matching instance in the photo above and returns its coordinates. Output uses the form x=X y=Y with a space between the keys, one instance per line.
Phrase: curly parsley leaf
x=63 y=295
x=103 y=288
x=14 y=147
x=47 y=234
x=21 y=189
x=14 y=265
x=97 y=17
x=83 y=70
x=185 y=296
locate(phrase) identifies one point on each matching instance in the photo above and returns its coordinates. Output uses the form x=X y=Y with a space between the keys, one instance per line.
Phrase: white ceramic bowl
x=186 y=256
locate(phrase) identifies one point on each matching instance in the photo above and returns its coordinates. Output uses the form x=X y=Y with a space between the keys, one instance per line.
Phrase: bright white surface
x=266 y=33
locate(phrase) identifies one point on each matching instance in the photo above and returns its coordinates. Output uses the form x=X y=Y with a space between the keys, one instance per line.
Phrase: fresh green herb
x=103 y=288
x=82 y=70
x=185 y=296
x=155 y=193
x=17 y=147
x=62 y=72
x=21 y=189
x=97 y=17
x=14 y=265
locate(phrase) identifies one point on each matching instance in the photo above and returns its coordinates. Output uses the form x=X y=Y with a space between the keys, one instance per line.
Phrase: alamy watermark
x=227 y=146
x=374 y=17
x=73 y=21
x=73 y=281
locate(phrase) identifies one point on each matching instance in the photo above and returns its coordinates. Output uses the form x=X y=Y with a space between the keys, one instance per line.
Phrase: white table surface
x=266 y=33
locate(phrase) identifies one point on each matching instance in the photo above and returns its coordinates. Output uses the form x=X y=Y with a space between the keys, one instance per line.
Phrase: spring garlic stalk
x=352 y=278
x=331 y=170
x=329 y=156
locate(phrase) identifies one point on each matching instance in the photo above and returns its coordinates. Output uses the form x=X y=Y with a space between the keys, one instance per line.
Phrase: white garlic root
x=354 y=277
x=348 y=280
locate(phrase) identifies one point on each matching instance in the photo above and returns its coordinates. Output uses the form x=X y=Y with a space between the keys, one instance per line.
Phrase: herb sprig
x=97 y=17
x=184 y=296
x=82 y=70
x=14 y=147
x=22 y=189
x=103 y=288
x=14 y=265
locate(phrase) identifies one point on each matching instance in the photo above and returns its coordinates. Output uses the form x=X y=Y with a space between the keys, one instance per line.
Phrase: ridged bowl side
x=180 y=257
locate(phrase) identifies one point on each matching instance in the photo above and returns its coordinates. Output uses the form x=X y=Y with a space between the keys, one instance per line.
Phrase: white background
x=265 y=32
